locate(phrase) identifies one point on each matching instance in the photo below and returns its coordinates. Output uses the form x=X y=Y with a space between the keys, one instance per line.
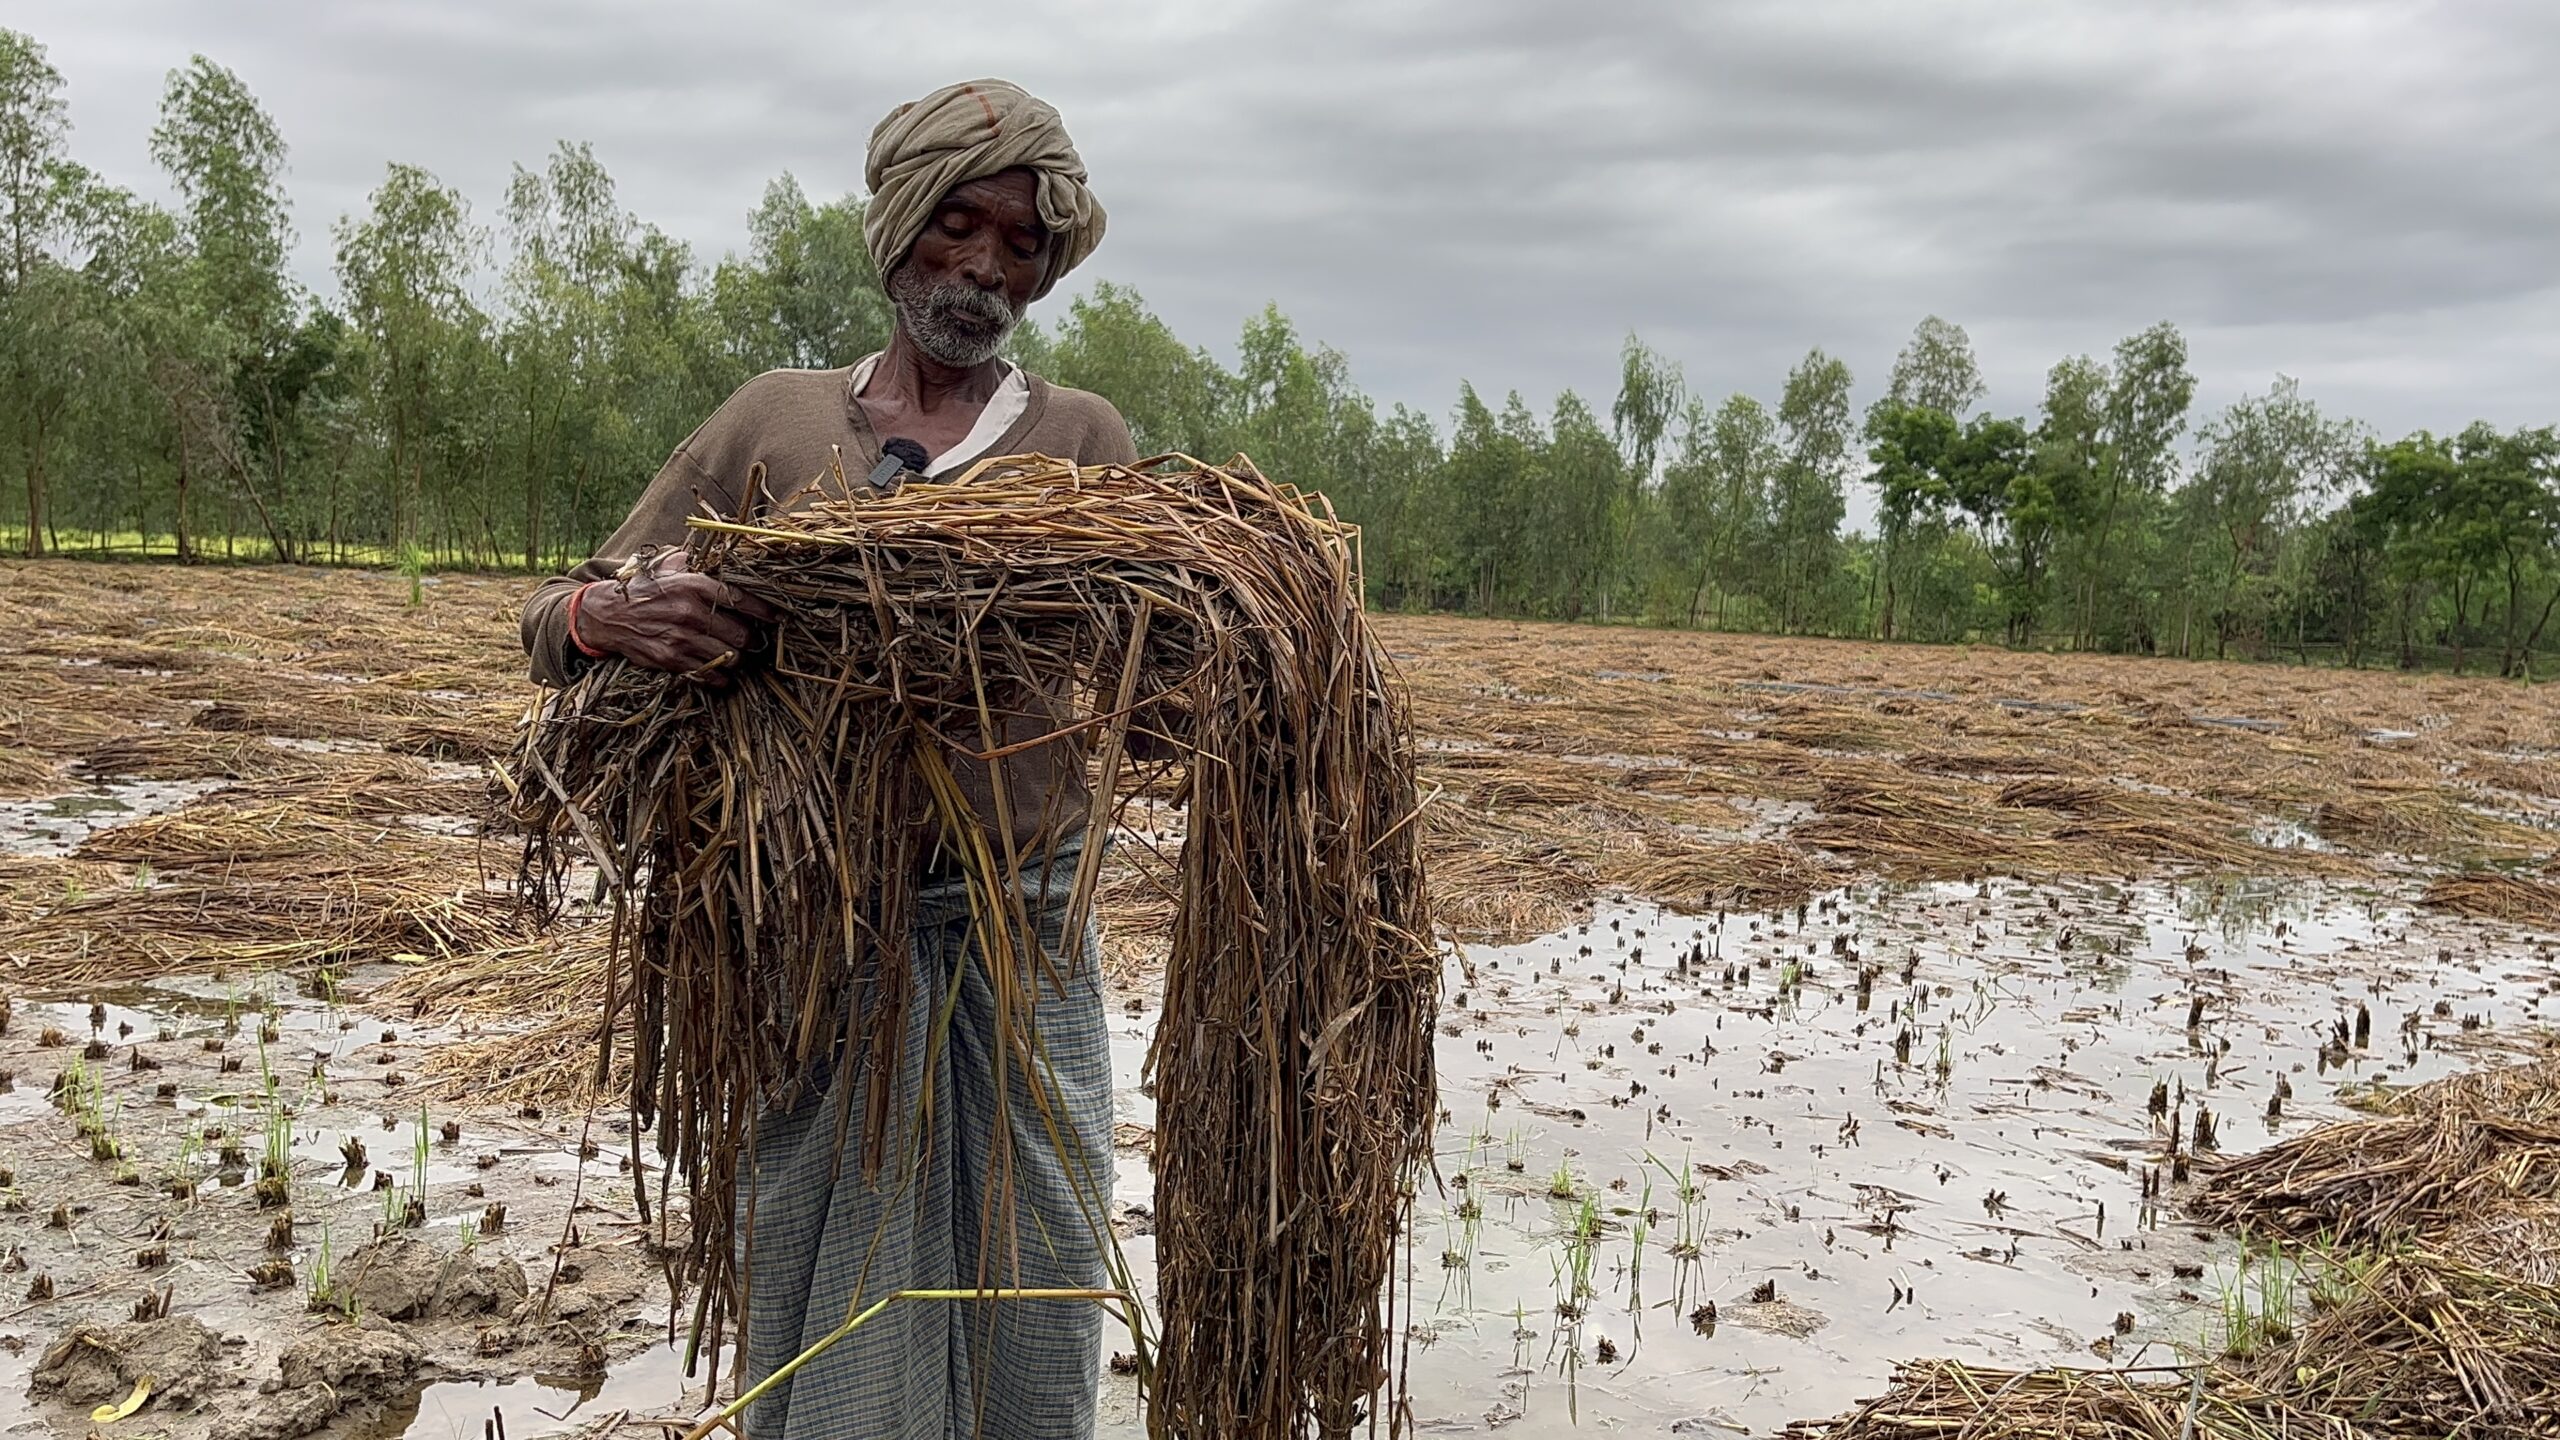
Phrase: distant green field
x=132 y=546
x=221 y=549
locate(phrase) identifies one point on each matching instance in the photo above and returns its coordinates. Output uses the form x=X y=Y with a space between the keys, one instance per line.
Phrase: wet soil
x=1694 y=1180
x=1705 y=1175
x=1697 y=1175
x=517 y=1259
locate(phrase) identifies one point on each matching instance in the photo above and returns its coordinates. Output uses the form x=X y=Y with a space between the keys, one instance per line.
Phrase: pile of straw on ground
x=1976 y=764
x=1905 y=800
x=1936 y=850
x=2493 y=895
x=1494 y=877
x=119 y=660
x=1750 y=876
x=2407 y=1345
x=2474 y=1157
x=2417 y=815
x=1558 y=754
x=2418 y=1342
x=25 y=773
x=130 y=933
x=1938 y=1399
x=765 y=833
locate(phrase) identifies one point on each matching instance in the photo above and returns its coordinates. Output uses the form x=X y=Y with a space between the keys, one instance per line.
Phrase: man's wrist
x=577 y=642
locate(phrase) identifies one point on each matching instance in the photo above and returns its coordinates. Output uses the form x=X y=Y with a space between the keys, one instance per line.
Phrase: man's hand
x=666 y=617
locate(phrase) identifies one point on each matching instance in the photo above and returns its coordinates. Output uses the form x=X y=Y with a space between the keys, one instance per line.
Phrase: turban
x=966 y=132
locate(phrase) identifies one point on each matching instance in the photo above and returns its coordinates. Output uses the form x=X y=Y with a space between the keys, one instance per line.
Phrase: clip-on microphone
x=899 y=458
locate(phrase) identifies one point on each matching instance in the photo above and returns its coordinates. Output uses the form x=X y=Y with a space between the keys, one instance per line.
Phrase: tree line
x=495 y=392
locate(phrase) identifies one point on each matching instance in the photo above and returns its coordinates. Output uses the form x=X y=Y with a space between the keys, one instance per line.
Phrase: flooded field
x=1811 y=1008
x=1727 y=1175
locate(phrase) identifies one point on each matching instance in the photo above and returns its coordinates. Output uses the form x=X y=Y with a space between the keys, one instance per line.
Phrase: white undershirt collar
x=1012 y=398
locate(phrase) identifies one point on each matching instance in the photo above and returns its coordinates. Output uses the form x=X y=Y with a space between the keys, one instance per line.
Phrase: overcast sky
x=2363 y=195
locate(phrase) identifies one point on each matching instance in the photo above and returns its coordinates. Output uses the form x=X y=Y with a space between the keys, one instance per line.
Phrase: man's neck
x=909 y=379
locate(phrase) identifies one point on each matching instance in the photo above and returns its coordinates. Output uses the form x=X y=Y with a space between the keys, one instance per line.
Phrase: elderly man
x=978 y=207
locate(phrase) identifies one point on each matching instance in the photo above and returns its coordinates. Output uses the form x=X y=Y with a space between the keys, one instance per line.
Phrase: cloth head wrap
x=966 y=132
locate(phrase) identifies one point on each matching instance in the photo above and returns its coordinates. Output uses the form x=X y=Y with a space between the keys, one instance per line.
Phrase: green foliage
x=1173 y=397
x=413 y=568
x=1809 y=498
x=2260 y=1302
x=805 y=296
x=495 y=395
x=2474 y=523
x=1936 y=371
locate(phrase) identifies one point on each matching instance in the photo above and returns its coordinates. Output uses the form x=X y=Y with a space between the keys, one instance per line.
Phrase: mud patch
x=100 y=1365
x=359 y=1362
x=280 y=1416
x=1921 y=1116
x=1779 y=1317
x=650 y=1384
x=402 y=1277
x=332 y=1371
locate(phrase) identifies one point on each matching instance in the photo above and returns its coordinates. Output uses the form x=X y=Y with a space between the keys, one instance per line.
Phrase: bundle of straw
x=767 y=836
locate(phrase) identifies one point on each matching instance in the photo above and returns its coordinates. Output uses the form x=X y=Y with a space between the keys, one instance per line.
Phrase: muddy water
x=1947 y=1160
x=1649 y=1115
x=526 y=1406
x=1654 y=1116
x=55 y=825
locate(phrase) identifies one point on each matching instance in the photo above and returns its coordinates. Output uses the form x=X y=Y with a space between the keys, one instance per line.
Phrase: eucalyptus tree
x=1651 y=394
x=2515 y=492
x=1690 y=515
x=1807 y=502
x=1580 y=498
x=233 y=364
x=1174 y=396
x=405 y=269
x=1936 y=370
x=1297 y=410
x=1744 y=459
x=2142 y=414
x=1909 y=431
x=806 y=295
x=567 y=371
x=1992 y=479
x=2267 y=461
x=1404 y=517
x=2473 y=520
x=35 y=290
x=1910 y=447
x=1491 y=475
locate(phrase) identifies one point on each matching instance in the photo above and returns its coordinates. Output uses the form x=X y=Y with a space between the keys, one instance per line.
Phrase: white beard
x=956 y=323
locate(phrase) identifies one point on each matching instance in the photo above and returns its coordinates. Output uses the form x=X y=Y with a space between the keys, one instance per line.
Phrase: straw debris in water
x=2469 y=1151
x=2394 y=1347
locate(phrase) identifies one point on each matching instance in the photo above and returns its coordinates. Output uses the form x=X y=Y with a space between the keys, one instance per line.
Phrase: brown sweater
x=793 y=421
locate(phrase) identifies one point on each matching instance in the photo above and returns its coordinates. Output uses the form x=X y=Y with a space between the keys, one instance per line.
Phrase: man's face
x=972 y=273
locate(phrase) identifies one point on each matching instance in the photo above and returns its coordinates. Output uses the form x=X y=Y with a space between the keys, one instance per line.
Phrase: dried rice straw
x=769 y=836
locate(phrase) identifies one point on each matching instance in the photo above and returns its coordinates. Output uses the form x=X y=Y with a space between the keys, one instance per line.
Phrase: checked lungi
x=823 y=1237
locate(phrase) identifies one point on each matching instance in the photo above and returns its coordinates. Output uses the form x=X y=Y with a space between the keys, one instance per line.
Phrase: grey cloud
x=2353 y=192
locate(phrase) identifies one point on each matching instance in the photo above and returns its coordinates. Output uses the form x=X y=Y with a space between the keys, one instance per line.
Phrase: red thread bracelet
x=576 y=596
